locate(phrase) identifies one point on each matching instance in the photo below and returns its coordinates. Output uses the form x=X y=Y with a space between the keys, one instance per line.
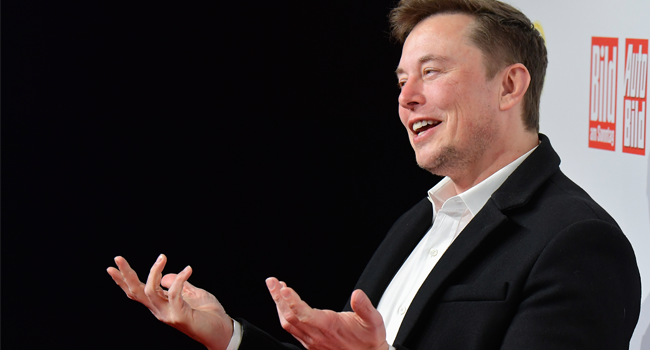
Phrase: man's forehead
x=431 y=37
x=440 y=27
x=445 y=20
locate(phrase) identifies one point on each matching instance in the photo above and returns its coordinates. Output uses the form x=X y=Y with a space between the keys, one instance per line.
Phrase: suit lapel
x=485 y=222
x=393 y=251
x=515 y=191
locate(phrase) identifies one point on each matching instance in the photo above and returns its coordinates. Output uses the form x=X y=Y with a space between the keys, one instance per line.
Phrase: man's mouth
x=420 y=127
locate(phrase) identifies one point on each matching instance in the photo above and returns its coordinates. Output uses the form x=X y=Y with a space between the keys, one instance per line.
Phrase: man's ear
x=513 y=86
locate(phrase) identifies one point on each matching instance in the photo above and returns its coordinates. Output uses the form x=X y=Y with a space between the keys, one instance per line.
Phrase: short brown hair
x=504 y=35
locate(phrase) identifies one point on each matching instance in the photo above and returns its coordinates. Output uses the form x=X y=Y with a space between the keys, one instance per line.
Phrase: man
x=506 y=252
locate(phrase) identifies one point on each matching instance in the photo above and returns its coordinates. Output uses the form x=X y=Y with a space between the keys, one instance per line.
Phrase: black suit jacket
x=541 y=266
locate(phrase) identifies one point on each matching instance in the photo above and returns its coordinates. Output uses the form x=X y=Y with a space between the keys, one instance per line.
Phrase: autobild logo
x=635 y=98
x=602 y=98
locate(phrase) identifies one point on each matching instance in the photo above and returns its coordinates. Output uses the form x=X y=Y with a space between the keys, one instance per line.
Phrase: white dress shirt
x=237 y=335
x=451 y=213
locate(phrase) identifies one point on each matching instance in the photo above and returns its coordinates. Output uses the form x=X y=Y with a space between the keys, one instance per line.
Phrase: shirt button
x=402 y=310
x=433 y=252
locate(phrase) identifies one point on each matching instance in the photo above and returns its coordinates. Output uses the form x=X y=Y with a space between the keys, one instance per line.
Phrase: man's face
x=446 y=103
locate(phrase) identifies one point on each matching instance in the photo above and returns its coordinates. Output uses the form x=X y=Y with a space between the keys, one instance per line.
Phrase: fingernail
x=159 y=258
x=358 y=296
x=285 y=293
x=269 y=283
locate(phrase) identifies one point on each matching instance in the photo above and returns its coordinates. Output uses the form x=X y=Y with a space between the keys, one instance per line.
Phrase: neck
x=493 y=160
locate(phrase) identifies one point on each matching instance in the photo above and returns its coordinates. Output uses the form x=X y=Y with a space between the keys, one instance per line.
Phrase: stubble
x=455 y=160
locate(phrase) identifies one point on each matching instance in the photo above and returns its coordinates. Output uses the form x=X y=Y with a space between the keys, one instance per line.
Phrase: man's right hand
x=191 y=310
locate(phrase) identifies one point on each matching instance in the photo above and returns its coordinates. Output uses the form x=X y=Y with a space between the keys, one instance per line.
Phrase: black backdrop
x=248 y=140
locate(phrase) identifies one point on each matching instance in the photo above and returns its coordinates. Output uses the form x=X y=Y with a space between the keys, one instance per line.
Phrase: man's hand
x=325 y=329
x=191 y=310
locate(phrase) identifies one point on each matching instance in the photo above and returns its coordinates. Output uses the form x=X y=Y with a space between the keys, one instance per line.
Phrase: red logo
x=602 y=98
x=635 y=99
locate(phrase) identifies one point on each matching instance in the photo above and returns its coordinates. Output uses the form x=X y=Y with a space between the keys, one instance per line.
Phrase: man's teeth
x=419 y=125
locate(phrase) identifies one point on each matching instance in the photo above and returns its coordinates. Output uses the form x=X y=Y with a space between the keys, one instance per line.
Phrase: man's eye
x=430 y=71
x=400 y=83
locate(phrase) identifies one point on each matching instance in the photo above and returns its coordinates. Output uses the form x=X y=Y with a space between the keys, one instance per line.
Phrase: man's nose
x=411 y=94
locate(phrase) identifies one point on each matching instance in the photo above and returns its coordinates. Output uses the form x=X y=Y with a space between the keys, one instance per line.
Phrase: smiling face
x=446 y=103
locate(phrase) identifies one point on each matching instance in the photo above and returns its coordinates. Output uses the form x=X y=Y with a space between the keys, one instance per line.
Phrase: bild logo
x=602 y=97
x=635 y=98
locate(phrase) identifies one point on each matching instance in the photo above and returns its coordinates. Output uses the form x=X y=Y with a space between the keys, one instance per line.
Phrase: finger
x=167 y=280
x=294 y=310
x=189 y=288
x=284 y=303
x=117 y=277
x=274 y=287
x=134 y=288
x=152 y=289
x=175 y=290
x=122 y=264
x=362 y=306
x=130 y=277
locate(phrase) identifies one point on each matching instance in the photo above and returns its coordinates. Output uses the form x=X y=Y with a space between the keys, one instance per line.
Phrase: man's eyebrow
x=425 y=58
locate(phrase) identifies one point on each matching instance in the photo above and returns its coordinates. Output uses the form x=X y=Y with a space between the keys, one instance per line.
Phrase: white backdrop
x=617 y=179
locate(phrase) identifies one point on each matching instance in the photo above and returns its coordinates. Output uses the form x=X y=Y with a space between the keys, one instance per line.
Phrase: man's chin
x=431 y=165
x=439 y=163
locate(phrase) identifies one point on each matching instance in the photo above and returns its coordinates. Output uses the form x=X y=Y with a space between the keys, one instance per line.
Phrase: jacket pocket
x=467 y=292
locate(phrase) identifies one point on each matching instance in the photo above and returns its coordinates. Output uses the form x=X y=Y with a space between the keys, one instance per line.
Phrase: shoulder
x=560 y=203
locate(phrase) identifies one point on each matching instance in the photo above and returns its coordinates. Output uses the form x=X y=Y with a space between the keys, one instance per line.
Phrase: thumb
x=362 y=306
x=167 y=280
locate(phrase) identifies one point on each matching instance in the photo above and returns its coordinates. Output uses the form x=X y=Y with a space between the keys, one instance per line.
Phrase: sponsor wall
x=594 y=110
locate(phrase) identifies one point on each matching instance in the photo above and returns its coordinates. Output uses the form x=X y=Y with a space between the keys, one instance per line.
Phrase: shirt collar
x=475 y=197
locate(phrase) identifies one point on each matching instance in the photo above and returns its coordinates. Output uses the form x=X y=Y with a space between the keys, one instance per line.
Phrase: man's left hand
x=326 y=329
